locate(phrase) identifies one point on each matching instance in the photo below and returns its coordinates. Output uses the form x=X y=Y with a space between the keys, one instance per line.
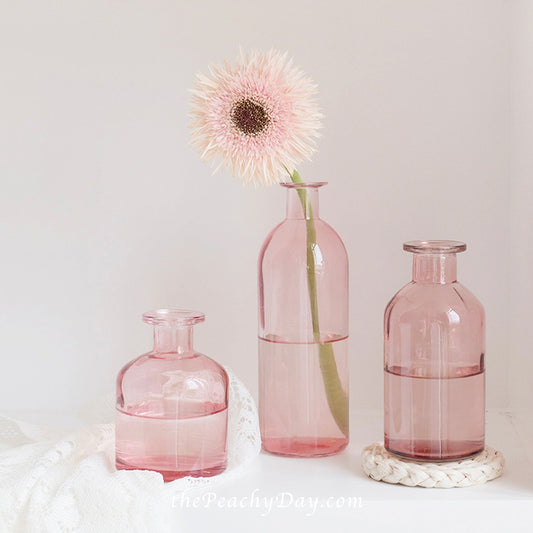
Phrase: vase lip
x=173 y=317
x=434 y=247
x=305 y=185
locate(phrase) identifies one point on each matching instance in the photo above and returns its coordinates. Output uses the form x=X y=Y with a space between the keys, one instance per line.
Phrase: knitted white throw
x=380 y=465
x=52 y=482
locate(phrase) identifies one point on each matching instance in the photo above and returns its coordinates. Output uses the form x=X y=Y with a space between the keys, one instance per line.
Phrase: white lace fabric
x=56 y=482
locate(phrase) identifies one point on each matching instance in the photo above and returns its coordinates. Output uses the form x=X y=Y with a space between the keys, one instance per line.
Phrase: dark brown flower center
x=249 y=117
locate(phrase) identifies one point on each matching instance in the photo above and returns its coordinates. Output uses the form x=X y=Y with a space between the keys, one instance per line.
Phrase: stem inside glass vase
x=336 y=396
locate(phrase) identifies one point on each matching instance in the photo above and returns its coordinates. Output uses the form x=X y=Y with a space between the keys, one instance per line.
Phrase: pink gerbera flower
x=258 y=117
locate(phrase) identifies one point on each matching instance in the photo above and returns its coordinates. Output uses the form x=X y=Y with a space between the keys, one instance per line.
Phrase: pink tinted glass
x=434 y=332
x=303 y=355
x=171 y=410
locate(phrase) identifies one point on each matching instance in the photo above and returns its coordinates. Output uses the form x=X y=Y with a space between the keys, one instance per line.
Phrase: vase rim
x=305 y=185
x=173 y=317
x=434 y=247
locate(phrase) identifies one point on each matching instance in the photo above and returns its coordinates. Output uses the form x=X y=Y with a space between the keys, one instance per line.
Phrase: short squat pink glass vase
x=172 y=404
x=434 y=360
x=303 y=332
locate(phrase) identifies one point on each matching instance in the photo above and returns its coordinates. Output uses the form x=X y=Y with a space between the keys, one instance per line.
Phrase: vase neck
x=435 y=268
x=173 y=329
x=302 y=203
x=173 y=340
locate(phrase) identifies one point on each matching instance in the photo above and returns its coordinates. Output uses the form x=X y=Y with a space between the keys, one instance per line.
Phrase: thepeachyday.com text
x=265 y=504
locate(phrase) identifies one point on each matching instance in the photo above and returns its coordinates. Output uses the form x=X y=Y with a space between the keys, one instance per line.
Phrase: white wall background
x=106 y=212
x=521 y=207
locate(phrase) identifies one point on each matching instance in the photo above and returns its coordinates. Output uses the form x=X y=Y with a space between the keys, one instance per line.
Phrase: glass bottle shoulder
x=157 y=362
x=451 y=300
x=159 y=384
x=291 y=235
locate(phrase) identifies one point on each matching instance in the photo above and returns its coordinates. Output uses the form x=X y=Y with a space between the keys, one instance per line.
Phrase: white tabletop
x=332 y=494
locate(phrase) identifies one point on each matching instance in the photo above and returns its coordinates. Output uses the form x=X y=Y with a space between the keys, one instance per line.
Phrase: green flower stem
x=335 y=394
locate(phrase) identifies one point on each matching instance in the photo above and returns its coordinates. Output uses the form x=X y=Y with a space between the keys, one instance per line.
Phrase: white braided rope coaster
x=381 y=465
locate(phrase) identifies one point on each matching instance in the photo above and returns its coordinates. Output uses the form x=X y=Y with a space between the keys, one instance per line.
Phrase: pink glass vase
x=434 y=360
x=303 y=332
x=171 y=410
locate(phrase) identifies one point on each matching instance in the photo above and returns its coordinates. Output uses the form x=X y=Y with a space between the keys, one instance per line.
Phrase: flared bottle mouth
x=173 y=317
x=309 y=185
x=434 y=247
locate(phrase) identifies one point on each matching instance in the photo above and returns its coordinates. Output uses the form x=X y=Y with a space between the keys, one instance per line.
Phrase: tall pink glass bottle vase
x=434 y=360
x=172 y=404
x=303 y=332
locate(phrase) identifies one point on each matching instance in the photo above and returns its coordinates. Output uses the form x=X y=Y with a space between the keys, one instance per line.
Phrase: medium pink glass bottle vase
x=171 y=410
x=303 y=332
x=434 y=360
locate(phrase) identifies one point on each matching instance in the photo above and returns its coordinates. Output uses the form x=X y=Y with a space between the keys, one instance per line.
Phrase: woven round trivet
x=381 y=465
